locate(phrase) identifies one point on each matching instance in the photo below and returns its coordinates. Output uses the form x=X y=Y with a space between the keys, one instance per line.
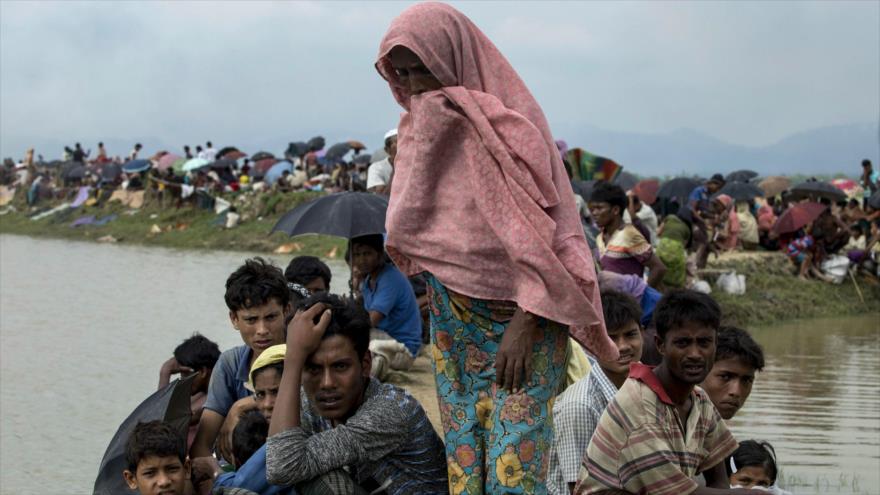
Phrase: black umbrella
x=74 y=173
x=741 y=176
x=345 y=214
x=261 y=155
x=626 y=180
x=111 y=171
x=816 y=190
x=361 y=159
x=678 y=188
x=223 y=164
x=874 y=201
x=298 y=148
x=337 y=151
x=741 y=191
x=316 y=143
x=584 y=188
x=224 y=150
x=171 y=405
x=53 y=164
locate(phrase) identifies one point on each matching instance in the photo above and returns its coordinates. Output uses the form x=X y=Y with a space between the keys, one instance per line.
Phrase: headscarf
x=272 y=355
x=481 y=199
x=731 y=226
x=676 y=229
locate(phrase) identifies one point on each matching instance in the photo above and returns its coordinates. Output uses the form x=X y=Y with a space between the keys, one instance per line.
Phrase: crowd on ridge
x=573 y=348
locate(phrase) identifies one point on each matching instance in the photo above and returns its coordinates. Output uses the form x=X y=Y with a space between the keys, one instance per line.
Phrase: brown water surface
x=84 y=328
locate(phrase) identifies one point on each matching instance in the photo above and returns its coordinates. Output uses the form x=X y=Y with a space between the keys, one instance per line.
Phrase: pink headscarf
x=732 y=224
x=480 y=198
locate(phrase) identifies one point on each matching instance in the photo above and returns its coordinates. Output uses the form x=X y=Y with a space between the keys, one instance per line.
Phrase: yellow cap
x=272 y=355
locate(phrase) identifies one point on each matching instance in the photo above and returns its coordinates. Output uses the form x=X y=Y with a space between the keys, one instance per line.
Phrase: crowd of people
x=574 y=348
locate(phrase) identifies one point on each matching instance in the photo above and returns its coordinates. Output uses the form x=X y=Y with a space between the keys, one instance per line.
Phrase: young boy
x=346 y=420
x=578 y=409
x=310 y=273
x=156 y=456
x=249 y=436
x=660 y=431
x=737 y=358
x=391 y=303
x=195 y=354
x=259 y=302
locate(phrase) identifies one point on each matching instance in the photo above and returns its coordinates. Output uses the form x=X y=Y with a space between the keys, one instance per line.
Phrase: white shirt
x=208 y=154
x=379 y=174
x=648 y=218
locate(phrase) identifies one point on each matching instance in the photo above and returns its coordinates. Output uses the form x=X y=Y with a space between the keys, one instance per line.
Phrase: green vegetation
x=186 y=227
x=774 y=293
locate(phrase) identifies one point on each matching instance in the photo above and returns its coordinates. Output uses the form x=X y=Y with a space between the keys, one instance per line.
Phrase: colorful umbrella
x=260 y=167
x=276 y=171
x=774 y=185
x=626 y=180
x=232 y=155
x=177 y=165
x=797 y=216
x=587 y=166
x=166 y=161
x=194 y=164
x=647 y=190
x=851 y=188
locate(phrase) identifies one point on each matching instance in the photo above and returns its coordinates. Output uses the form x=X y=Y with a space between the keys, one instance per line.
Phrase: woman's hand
x=513 y=361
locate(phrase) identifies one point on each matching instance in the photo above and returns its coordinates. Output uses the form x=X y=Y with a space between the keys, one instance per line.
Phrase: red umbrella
x=233 y=155
x=646 y=190
x=796 y=216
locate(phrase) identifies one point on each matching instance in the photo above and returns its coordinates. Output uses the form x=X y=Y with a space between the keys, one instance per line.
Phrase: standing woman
x=481 y=204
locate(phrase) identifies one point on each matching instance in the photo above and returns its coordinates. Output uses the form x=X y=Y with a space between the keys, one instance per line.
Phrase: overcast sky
x=748 y=73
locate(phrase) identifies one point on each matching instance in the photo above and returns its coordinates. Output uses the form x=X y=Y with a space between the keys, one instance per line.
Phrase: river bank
x=773 y=293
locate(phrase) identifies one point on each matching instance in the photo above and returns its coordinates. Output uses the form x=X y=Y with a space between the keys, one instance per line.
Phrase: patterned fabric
x=626 y=252
x=575 y=416
x=388 y=442
x=336 y=482
x=747 y=224
x=481 y=198
x=495 y=442
x=674 y=256
x=639 y=446
x=798 y=248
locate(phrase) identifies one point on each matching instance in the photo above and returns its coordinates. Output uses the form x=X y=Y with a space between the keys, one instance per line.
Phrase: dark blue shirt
x=252 y=476
x=228 y=379
x=394 y=298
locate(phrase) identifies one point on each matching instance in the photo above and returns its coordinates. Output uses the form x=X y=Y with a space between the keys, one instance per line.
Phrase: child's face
x=749 y=477
x=159 y=476
x=266 y=391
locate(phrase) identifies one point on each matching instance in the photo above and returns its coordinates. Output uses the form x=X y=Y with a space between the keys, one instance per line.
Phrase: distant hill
x=826 y=150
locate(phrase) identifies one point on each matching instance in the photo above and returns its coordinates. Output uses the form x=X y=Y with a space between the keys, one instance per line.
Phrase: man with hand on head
x=349 y=433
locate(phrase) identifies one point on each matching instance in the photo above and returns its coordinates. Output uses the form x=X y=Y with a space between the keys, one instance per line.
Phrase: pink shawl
x=480 y=198
x=731 y=226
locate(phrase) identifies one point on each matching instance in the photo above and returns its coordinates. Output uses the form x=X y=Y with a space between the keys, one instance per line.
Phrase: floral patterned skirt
x=496 y=442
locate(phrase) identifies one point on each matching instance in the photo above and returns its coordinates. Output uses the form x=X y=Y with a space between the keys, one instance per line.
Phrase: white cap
x=390 y=134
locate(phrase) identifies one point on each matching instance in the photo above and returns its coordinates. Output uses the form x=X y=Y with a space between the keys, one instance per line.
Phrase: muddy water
x=84 y=328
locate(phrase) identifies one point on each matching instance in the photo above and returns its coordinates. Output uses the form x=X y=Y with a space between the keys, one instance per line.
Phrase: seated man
x=156 y=456
x=660 y=431
x=390 y=300
x=578 y=409
x=737 y=358
x=258 y=301
x=350 y=433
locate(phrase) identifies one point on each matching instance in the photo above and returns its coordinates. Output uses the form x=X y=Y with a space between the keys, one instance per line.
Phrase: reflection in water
x=818 y=402
x=84 y=328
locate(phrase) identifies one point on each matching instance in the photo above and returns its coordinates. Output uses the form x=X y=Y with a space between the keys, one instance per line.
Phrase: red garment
x=481 y=199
